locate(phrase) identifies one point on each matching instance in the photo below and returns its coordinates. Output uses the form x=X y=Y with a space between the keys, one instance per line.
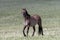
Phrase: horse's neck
x=27 y=16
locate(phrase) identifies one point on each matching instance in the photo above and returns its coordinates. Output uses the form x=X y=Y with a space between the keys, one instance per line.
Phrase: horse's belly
x=33 y=22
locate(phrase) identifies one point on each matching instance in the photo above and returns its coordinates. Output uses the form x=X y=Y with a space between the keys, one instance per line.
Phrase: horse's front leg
x=33 y=30
x=28 y=30
x=24 y=30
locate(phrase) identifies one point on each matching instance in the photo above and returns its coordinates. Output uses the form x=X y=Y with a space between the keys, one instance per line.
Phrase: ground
x=12 y=21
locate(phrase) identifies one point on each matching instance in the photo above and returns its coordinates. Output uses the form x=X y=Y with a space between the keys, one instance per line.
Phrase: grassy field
x=11 y=19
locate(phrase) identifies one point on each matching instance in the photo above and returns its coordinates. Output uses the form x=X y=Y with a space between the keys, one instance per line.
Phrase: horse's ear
x=24 y=9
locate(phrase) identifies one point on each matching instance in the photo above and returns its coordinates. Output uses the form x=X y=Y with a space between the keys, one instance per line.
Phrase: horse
x=31 y=21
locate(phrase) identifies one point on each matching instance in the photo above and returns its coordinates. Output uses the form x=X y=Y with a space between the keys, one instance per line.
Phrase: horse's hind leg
x=33 y=30
x=24 y=31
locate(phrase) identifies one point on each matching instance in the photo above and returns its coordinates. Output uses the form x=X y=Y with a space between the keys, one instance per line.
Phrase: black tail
x=40 y=29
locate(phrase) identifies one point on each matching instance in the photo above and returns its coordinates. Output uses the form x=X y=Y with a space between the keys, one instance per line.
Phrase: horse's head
x=25 y=13
x=24 y=10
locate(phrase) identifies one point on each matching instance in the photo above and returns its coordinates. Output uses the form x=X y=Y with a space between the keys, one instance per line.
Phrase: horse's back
x=36 y=17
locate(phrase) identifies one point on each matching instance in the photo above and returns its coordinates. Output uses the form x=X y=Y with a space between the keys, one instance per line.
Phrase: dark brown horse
x=31 y=21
